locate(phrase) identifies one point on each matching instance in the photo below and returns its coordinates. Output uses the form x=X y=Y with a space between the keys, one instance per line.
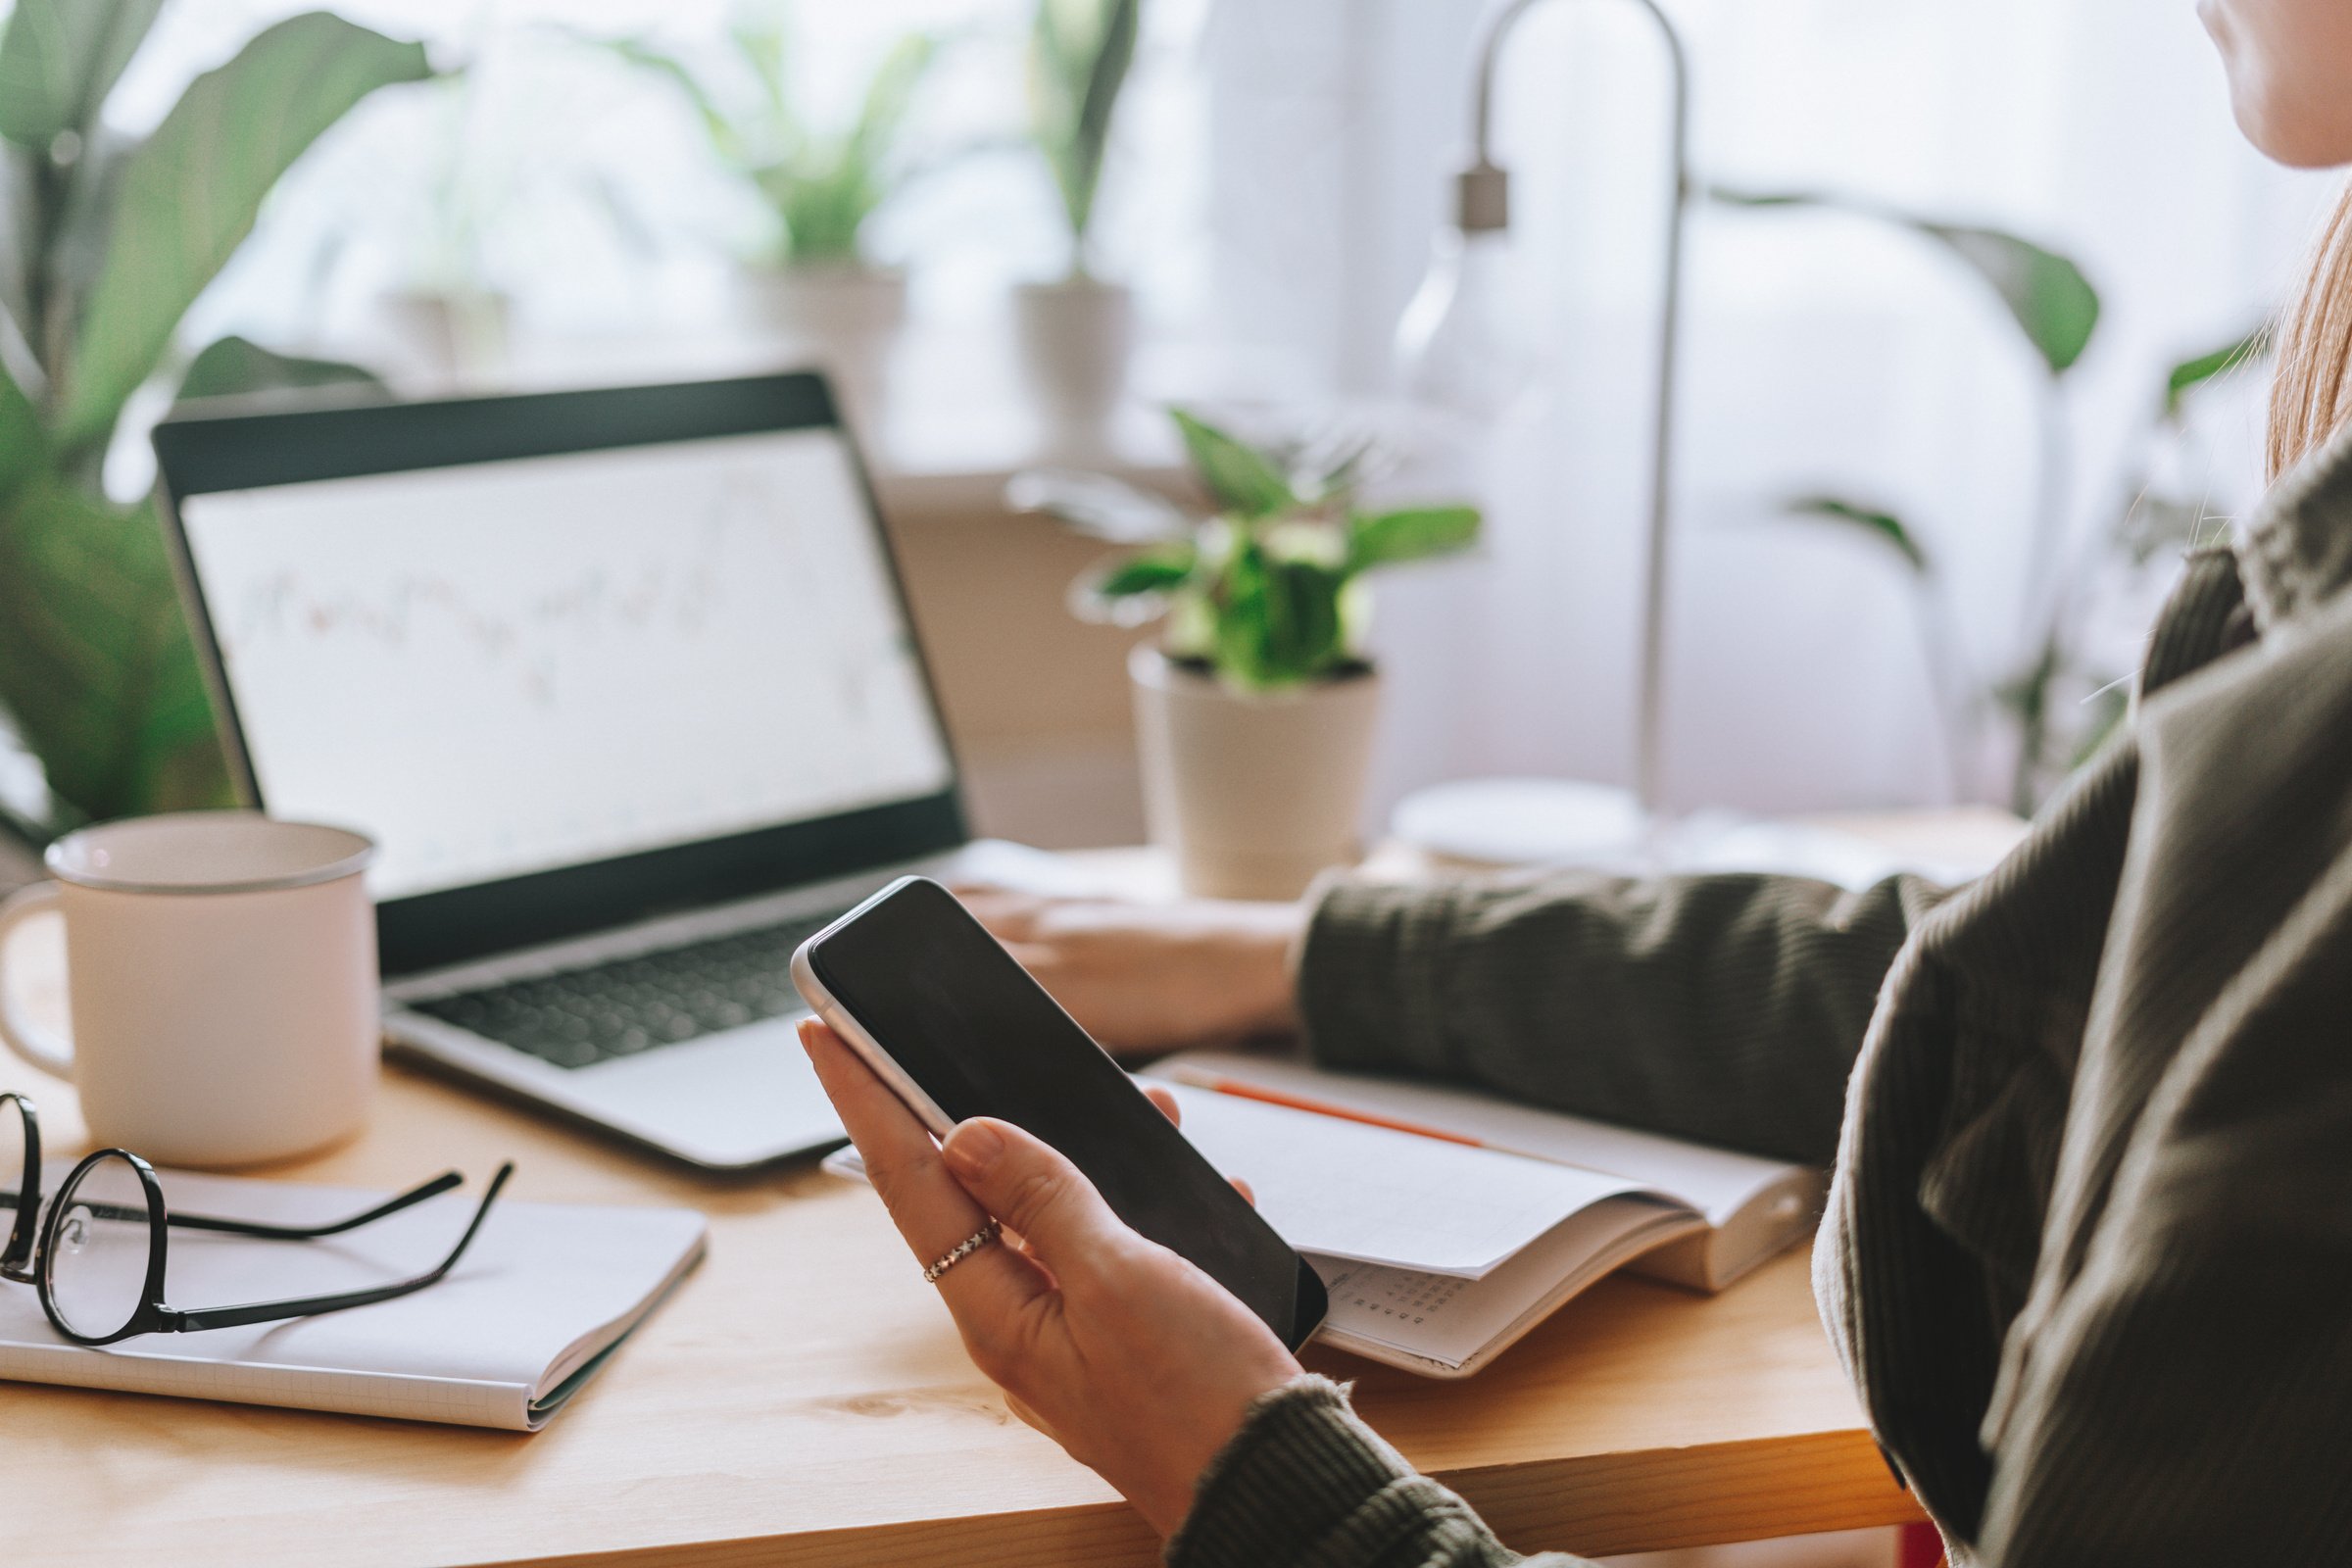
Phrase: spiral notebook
x=536 y=1308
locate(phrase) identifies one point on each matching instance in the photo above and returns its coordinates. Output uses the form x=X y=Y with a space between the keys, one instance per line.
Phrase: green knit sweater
x=2088 y=1252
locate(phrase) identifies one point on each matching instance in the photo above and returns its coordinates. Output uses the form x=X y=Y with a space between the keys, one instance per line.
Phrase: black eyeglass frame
x=26 y=1263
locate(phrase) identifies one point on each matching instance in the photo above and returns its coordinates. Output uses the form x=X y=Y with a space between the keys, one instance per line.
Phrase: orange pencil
x=1275 y=1096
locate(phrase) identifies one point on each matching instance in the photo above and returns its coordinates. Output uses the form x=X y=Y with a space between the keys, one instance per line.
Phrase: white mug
x=221 y=975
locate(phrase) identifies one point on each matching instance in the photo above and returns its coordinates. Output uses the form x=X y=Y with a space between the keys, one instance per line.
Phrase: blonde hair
x=2314 y=342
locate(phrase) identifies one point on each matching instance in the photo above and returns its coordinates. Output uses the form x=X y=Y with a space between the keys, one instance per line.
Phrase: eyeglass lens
x=98 y=1260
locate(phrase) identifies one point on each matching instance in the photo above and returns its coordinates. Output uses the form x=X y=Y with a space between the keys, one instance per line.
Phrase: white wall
x=1821 y=352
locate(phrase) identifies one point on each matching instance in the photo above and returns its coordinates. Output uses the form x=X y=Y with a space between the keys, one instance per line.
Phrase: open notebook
x=1441 y=1252
x=538 y=1304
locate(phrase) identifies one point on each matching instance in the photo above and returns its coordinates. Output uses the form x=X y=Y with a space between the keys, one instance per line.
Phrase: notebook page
x=1455 y=1321
x=1716 y=1182
x=1344 y=1190
x=542 y=1289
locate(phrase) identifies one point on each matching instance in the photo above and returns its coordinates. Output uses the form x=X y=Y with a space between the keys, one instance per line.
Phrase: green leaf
x=659 y=61
x=59 y=61
x=190 y=194
x=1154 y=573
x=1244 y=480
x=21 y=442
x=1303 y=620
x=2190 y=375
x=1241 y=610
x=1080 y=52
x=888 y=98
x=2052 y=303
x=234 y=365
x=95 y=662
x=1884 y=526
x=1130 y=590
x=2054 y=306
x=1410 y=535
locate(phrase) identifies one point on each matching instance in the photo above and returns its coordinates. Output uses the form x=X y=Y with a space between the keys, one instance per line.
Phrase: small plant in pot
x=1255 y=714
x=811 y=280
x=1077 y=332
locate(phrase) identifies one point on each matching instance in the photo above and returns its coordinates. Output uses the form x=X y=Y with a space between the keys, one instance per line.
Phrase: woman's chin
x=2296 y=141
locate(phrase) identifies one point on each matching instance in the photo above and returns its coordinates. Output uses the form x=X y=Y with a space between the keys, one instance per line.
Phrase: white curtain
x=1823 y=352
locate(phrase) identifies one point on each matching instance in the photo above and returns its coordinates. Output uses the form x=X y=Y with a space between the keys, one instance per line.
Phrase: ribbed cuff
x=1367 y=984
x=1300 y=1466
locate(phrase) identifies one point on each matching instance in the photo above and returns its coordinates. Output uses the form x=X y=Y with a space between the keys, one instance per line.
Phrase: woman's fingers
x=930 y=1207
x=933 y=1212
x=1165 y=1100
x=1036 y=1192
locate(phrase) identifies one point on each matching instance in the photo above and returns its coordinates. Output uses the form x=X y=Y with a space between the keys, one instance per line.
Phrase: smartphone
x=957 y=1028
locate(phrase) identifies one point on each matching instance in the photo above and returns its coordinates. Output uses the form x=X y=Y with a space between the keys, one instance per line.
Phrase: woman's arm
x=1724 y=1008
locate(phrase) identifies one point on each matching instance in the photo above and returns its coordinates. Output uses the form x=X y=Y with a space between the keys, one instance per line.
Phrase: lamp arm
x=1649 y=742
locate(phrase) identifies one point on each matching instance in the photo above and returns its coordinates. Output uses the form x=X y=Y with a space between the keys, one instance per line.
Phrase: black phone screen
x=966 y=1022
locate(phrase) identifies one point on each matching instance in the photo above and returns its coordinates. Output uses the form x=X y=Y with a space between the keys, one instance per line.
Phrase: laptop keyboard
x=580 y=1017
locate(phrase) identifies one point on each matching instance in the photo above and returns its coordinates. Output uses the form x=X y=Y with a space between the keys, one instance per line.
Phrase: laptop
x=623 y=685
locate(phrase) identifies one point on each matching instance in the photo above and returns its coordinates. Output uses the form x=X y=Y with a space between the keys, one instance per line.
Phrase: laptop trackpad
x=725 y=1099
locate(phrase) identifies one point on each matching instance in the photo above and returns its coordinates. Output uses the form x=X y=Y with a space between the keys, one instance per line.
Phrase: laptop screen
x=507 y=667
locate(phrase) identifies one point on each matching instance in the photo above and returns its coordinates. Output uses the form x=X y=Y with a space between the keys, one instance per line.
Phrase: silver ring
x=962 y=1250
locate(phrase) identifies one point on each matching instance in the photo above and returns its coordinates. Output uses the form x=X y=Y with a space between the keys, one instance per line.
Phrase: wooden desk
x=804 y=1400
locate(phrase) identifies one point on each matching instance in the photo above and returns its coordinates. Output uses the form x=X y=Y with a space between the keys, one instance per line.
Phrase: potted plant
x=1255 y=714
x=1077 y=334
x=453 y=321
x=107 y=245
x=812 y=280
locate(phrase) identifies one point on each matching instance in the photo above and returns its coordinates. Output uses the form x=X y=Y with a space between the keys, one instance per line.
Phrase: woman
x=2088 y=1255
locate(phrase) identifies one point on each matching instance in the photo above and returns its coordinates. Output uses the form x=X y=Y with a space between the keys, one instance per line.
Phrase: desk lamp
x=1456 y=354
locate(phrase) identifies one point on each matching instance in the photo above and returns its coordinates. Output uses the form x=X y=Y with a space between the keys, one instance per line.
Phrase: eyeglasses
x=98 y=1257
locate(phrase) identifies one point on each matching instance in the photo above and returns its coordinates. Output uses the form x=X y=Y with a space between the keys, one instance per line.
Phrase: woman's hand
x=1135 y=1361
x=1150 y=977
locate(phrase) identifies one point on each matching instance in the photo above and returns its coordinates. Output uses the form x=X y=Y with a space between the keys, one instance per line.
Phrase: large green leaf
x=2192 y=373
x=2052 y=303
x=1884 y=526
x=1412 y=534
x=190 y=195
x=95 y=664
x=1244 y=480
x=20 y=443
x=1079 y=56
x=725 y=140
x=60 y=58
x=2048 y=297
x=233 y=366
x=888 y=98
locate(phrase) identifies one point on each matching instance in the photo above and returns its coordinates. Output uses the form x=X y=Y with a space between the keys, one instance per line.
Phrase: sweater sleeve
x=1304 y=1484
x=1728 y=1008
x=2178 y=1390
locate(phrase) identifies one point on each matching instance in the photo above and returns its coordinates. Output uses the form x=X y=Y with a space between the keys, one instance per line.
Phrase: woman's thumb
x=1032 y=1189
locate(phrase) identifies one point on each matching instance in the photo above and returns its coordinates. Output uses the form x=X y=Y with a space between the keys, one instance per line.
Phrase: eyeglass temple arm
x=308 y=1233
x=229 y=1317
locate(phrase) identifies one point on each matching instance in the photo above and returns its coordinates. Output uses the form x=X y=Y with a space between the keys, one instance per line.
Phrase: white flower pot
x=844 y=318
x=1253 y=794
x=1077 y=342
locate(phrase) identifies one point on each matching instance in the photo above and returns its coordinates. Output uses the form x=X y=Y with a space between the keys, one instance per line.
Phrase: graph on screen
x=512 y=666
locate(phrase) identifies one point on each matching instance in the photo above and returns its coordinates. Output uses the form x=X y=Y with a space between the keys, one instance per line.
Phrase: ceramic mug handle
x=36 y=1045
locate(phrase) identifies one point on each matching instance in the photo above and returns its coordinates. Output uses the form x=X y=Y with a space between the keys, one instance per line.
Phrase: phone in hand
x=957 y=1028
